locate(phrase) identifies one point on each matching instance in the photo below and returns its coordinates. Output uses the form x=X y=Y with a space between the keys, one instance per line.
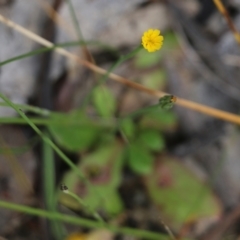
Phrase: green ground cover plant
x=107 y=144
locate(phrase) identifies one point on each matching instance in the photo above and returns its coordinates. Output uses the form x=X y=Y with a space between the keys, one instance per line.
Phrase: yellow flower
x=152 y=40
x=76 y=236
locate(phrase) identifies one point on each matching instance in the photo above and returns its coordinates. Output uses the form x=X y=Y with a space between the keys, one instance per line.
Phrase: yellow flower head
x=152 y=40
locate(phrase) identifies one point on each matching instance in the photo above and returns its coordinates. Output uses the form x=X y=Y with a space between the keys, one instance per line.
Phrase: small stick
x=226 y=15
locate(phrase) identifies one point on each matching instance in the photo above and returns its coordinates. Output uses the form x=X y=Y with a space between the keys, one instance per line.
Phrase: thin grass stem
x=46 y=139
x=49 y=177
x=105 y=76
x=47 y=49
x=83 y=222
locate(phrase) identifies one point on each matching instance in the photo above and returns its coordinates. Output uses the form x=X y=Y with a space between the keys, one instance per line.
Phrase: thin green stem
x=104 y=77
x=37 y=110
x=81 y=202
x=48 y=176
x=49 y=188
x=119 y=62
x=83 y=222
x=47 y=122
x=46 y=139
x=38 y=51
x=46 y=49
x=51 y=144
x=75 y=20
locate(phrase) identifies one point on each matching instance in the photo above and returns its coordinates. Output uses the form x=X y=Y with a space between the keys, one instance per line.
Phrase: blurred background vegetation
x=130 y=168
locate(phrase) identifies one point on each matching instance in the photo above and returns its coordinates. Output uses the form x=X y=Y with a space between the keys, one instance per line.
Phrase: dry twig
x=226 y=15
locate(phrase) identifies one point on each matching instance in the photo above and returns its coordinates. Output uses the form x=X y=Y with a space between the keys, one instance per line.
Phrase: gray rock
x=114 y=23
x=17 y=79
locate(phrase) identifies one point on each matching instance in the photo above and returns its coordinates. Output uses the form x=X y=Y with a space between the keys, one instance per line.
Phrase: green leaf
x=170 y=41
x=155 y=79
x=107 y=200
x=140 y=159
x=104 y=101
x=107 y=137
x=128 y=127
x=159 y=120
x=107 y=162
x=114 y=204
x=152 y=139
x=146 y=60
x=180 y=194
x=74 y=137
